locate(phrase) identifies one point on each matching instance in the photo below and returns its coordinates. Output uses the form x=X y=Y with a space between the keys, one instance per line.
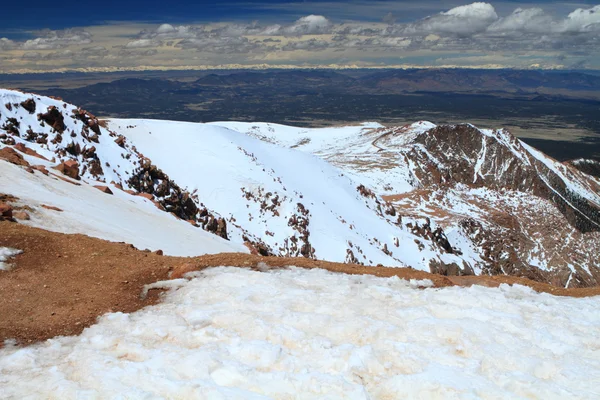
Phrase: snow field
x=233 y=333
x=5 y=254
x=117 y=217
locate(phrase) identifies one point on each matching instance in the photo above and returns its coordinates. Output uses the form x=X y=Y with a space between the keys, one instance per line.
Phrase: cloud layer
x=468 y=35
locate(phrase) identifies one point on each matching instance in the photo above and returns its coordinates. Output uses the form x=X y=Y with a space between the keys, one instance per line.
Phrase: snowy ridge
x=437 y=198
x=480 y=185
x=293 y=202
x=276 y=200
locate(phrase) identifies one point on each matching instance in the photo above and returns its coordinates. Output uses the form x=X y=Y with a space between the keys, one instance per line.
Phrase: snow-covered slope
x=239 y=334
x=447 y=199
x=83 y=208
x=118 y=217
x=277 y=200
x=289 y=201
x=523 y=212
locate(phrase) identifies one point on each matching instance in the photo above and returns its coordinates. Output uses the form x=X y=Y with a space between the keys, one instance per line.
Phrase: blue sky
x=39 y=14
x=38 y=35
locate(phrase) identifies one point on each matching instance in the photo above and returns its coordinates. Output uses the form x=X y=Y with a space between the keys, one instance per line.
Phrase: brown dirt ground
x=61 y=283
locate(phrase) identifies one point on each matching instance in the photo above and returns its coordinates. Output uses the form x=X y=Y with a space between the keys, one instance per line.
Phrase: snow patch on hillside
x=6 y=253
x=240 y=334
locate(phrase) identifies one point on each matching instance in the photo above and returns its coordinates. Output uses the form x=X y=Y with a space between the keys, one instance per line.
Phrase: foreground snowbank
x=239 y=334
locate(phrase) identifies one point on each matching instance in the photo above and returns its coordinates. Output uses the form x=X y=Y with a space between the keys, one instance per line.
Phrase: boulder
x=21 y=215
x=69 y=168
x=10 y=155
x=54 y=118
x=29 y=105
x=6 y=212
x=104 y=189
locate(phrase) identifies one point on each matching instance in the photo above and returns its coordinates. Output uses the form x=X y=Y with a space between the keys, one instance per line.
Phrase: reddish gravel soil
x=61 y=283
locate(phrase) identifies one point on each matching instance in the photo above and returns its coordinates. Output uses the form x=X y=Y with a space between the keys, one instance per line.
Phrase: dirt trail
x=62 y=283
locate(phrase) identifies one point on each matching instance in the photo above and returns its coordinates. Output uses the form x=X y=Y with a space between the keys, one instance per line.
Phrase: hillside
x=522 y=211
x=450 y=199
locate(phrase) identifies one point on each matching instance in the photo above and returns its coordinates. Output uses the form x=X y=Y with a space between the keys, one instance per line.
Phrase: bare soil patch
x=61 y=283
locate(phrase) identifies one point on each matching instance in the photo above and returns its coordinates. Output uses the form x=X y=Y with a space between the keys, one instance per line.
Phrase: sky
x=42 y=36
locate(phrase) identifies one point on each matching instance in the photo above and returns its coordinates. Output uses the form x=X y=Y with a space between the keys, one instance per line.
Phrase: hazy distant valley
x=565 y=125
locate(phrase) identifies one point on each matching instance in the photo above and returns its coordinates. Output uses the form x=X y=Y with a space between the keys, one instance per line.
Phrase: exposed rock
x=6 y=212
x=120 y=141
x=54 y=118
x=29 y=105
x=73 y=149
x=10 y=155
x=47 y=207
x=21 y=215
x=40 y=168
x=103 y=189
x=24 y=149
x=69 y=168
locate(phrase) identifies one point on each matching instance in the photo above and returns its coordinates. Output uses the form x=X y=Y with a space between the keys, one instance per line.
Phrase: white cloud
x=6 y=44
x=142 y=43
x=463 y=21
x=524 y=20
x=471 y=30
x=58 y=39
x=583 y=20
x=309 y=25
x=165 y=29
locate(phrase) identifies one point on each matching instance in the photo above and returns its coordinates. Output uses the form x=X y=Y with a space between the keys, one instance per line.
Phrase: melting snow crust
x=5 y=254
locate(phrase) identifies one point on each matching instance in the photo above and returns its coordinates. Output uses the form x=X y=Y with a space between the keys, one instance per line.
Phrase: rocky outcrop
x=54 y=118
x=10 y=155
x=69 y=168
x=148 y=178
x=462 y=154
x=29 y=105
x=6 y=212
x=103 y=189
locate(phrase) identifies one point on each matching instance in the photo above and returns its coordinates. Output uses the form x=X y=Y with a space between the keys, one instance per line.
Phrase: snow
x=6 y=253
x=233 y=333
x=221 y=164
x=107 y=150
x=561 y=170
x=118 y=217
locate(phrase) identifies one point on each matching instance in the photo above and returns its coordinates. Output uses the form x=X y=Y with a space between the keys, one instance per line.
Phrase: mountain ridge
x=346 y=201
